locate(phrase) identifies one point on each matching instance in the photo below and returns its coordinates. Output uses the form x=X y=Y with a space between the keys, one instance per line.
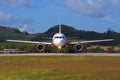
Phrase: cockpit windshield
x=59 y=37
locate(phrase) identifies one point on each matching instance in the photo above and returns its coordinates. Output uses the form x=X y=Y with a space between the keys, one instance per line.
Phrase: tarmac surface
x=63 y=54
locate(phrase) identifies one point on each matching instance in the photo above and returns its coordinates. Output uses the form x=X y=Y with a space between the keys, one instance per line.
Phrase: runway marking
x=63 y=54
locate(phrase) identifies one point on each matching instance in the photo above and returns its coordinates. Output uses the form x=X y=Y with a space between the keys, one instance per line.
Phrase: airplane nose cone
x=59 y=42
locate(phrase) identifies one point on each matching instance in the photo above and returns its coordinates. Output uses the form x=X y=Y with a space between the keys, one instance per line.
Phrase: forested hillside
x=12 y=33
x=70 y=32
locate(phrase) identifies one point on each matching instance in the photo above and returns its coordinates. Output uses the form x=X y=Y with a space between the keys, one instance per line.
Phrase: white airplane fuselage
x=59 y=40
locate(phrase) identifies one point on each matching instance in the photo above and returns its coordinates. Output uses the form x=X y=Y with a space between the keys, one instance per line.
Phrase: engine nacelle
x=40 y=47
x=78 y=47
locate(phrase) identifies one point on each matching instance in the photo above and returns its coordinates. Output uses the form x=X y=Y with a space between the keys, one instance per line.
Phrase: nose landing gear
x=59 y=49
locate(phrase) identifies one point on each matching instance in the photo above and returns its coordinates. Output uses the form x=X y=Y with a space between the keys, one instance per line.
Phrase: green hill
x=12 y=33
x=71 y=32
x=80 y=34
x=65 y=29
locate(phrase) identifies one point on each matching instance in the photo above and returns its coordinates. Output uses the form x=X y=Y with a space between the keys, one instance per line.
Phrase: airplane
x=59 y=41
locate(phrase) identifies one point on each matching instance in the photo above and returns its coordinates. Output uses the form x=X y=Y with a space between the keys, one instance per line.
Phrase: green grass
x=59 y=68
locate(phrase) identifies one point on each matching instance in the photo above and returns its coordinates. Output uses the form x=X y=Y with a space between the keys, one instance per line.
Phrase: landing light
x=59 y=47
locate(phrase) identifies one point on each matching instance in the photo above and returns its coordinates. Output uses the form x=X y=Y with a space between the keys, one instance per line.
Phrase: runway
x=63 y=54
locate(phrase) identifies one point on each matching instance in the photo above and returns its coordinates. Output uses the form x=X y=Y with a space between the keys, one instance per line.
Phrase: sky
x=37 y=16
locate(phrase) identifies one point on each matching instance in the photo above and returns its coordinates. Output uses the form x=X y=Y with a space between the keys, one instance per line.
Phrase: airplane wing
x=92 y=41
x=34 y=42
x=47 y=37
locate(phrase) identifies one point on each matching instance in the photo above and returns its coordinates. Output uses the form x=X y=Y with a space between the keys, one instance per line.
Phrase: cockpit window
x=59 y=37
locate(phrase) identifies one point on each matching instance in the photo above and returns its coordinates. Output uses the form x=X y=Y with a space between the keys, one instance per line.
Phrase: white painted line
x=63 y=54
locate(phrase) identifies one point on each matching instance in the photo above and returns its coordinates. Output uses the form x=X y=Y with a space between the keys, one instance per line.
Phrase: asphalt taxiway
x=63 y=54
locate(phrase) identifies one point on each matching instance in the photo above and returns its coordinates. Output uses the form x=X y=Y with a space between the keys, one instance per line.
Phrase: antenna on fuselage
x=59 y=26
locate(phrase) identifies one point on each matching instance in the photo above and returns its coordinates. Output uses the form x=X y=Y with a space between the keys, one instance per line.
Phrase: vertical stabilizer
x=59 y=26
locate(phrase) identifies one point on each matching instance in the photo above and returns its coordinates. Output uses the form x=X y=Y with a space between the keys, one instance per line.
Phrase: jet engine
x=40 y=47
x=78 y=47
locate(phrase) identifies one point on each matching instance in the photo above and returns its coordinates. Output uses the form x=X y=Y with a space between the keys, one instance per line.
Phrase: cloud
x=88 y=7
x=116 y=5
x=111 y=20
x=15 y=3
x=9 y=19
x=96 y=8
x=5 y=18
x=26 y=27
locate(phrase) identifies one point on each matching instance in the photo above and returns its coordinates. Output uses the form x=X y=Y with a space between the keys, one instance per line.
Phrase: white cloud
x=15 y=3
x=24 y=28
x=89 y=7
x=116 y=5
x=27 y=28
x=110 y=19
x=93 y=7
x=5 y=18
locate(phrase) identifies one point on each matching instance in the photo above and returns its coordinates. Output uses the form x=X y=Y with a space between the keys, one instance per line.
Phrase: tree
x=111 y=50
